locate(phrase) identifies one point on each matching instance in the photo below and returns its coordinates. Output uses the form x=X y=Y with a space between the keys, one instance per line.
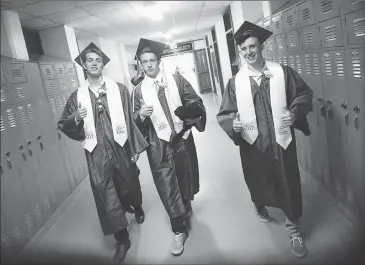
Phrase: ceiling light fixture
x=153 y=12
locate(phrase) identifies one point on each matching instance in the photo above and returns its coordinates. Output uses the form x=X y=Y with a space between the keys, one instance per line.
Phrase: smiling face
x=93 y=64
x=150 y=64
x=251 y=51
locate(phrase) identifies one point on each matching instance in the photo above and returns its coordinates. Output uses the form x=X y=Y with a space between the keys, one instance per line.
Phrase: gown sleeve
x=228 y=110
x=67 y=123
x=189 y=97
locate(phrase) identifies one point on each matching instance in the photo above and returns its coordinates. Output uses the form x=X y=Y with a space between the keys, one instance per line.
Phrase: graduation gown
x=174 y=165
x=113 y=176
x=271 y=173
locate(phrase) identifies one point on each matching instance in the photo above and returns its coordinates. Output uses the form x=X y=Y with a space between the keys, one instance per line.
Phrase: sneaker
x=177 y=246
x=262 y=214
x=298 y=247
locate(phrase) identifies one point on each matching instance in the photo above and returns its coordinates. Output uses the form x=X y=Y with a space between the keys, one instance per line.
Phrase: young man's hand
x=237 y=124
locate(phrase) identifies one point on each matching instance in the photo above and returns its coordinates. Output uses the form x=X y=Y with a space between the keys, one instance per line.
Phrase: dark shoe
x=262 y=214
x=298 y=247
x=139 y=215
x=121 y=252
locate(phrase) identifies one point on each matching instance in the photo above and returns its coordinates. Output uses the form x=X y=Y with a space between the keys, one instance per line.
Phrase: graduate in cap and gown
x=166 y=108
x=261 y=106
x=98 y=115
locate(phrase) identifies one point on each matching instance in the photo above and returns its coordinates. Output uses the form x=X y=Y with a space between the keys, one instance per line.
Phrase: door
x=202 y=71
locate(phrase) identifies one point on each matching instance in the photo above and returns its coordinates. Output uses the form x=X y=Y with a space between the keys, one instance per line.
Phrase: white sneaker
x=177 y=246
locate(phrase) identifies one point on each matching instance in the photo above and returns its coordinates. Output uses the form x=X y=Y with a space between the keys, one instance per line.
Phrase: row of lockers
x=335 y=151
x=40 y=166
x=347 y=30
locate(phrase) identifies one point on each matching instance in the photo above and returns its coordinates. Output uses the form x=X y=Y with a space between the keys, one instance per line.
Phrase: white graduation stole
x=159 y=120
x=116 y=111
x=246 y=107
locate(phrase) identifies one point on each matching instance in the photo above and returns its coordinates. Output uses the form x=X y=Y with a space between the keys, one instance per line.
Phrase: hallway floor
x=224 y=227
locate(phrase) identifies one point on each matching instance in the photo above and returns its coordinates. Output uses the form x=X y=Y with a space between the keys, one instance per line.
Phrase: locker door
x=355 y=66
x=310 y=38
x=60 y=70
x=292 y=61
x=61 y=140
x=70 y=69
x=293 y=41
x=330 y=33
x=280 y=43
x=305 y=14
x=14 y=73
x=3 y=81
x=355 y=27
x=334 y=85
x=277 y=24
x=63 y=85
x=289 y=19
x=325 y=9
x=51 y=86
x=299 y=64
x=14 y=205
x=285 y=60
x=47 y=71
x=279 y=59
x=74 y=83
x=270 y=45
x=348 y=6
x=34 y=185
x=267 y=24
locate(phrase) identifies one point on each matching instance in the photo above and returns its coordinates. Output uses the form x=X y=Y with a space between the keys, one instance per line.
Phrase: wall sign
x=181 y=47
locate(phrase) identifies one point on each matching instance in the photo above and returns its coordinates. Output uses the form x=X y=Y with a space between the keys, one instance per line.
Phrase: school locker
x=355 y=67
x=280 y=43
x=305 y=14
x=292 y=40
x=330 y=33
x=355 y=27
x=285 y=60
x=337 y=119
x=271 y=46
x=267 y=24
x=348 y=6
x=289 y=20
x=326 y=9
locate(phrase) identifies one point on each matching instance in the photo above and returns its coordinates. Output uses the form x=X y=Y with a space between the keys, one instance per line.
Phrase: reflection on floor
x=224 y=227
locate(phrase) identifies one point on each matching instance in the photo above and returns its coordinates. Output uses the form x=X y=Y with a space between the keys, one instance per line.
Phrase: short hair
x=150 y=50
x=242 y=37
x=92 y=50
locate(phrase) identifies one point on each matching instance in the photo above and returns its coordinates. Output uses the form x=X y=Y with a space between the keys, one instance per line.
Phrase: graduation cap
x=93 y=47
x=150 y=46
x=249 y=29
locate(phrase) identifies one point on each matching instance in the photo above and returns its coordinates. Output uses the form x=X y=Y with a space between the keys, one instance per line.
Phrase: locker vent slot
x=16 y=232
x=63 y=84
x=23 y=117
x=5 y=241
x=70 y=70
x=279 y=60
x=269 y=46
x=339 y=189
x=48 y=71
x=50 y=87
x=16 y=73
x=37 y=212
x=53 y=105
x=292 y=41
x=316 y=65
x=2 y=127
x=46 y=203
x=340 y=67
x=21 y=92
x=59 y=103
x=285 y=61
x=350 y=195
x=11 y=118
x=308 y=38
x=280 y=43
x=299 y=64
x=64 y=100
x=2 y=96
x=277 y=24
x=290 y=20
x=292 y=61
x=330 y=33
x=53 y=196
x=328 y=67
x=359 y=26
x=356 y=68
x=28 y=220
x=326 y=6
x=306 y=14
x=30 y=112
x=60 y=70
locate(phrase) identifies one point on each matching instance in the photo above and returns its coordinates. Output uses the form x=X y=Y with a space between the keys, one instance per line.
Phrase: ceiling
x=121 y=21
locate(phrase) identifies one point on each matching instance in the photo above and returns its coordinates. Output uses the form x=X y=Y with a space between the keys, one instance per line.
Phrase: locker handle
x=39 y=138
x=8 y=160
x=346 y=116
x=30 y=151
x=21 y=148
x=329 y=101
x=344 y=105
x=323 y=111
x=320 y=99
x=356 y=121
x=357 y=109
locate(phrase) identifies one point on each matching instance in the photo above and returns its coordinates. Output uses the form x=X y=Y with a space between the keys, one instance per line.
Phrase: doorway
x=185 y=64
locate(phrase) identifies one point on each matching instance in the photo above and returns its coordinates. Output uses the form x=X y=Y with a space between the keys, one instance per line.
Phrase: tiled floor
x=224 y=228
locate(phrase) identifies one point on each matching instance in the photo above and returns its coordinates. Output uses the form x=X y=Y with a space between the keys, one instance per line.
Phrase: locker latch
x=357 y=109
x=30 y=151
x=21 y=148
x=344 y=105
x=39 y=138
x=346 y=116
x=7 y=154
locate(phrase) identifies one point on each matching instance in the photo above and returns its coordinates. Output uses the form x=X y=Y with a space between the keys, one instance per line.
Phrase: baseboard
x=50 y=222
